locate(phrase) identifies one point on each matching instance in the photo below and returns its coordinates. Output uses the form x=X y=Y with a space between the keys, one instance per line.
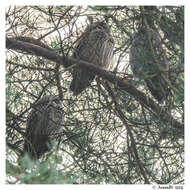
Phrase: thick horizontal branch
x=33 y=49
x=158 y=111
x=49 y=54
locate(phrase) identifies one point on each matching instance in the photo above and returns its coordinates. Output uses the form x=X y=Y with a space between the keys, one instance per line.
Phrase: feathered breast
x=96 y=47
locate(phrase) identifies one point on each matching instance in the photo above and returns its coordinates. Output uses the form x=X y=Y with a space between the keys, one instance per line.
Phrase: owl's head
x=99 y=25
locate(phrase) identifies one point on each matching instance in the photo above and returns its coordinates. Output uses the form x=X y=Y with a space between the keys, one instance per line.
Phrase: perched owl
x=44 y=122
x=95 y=46
x=143 y=62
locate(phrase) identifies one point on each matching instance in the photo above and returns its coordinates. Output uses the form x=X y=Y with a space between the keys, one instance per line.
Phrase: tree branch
x=48 y=53
x=33 y=49
x=133 y=143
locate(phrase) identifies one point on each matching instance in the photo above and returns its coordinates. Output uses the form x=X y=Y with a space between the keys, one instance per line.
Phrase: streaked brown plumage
x=144 y=65
x=95 y=46
x=44 y=122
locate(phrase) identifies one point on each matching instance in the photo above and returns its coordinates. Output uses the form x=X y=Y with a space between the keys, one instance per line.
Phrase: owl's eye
x=103 y=26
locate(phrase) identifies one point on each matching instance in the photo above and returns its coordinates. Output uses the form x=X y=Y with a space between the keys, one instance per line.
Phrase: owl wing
x=95 y=47
x=44 y=120
x=141 y=59
x=143 y=63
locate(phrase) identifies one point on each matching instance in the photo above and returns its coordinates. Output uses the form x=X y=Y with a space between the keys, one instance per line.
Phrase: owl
x=148 y=66
x=95 y=46
x=43 y=123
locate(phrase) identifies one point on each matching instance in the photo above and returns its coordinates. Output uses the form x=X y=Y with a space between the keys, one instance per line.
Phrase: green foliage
x=110 y=136
x=45 y=171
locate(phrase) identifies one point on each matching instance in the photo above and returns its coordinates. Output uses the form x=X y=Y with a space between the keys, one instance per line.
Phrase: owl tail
x=81 y=80
x=158 y=88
